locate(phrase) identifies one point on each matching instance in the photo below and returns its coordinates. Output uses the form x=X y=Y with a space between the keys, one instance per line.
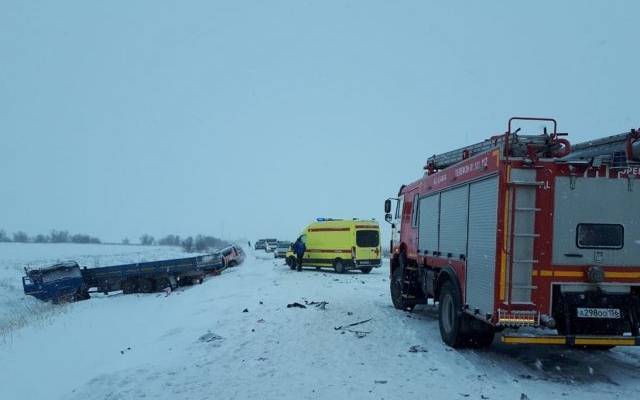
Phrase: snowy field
x=198 y=343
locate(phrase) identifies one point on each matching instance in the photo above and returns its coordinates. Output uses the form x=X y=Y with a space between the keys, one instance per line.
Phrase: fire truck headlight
x=595 y=274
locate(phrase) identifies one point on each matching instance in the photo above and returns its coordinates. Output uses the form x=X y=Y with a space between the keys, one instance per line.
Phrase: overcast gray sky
x=251 y=118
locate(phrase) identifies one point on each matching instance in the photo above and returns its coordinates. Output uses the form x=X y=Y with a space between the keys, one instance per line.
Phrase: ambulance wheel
x=339 y=267
x=366 y=270
x=395 y=287
x=450 y=316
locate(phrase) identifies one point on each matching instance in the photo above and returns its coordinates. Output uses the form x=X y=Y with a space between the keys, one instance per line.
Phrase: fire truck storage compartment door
x=428 y=224
x=481 y=258
x=592 y=201
x=453 y=222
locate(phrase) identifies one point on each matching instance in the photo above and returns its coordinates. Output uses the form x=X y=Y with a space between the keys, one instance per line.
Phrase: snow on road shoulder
x=199 y=343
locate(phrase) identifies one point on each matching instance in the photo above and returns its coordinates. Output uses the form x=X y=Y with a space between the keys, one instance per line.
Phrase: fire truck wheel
x=365 y=270
x=450 y=316
x=395 y=287
x=480 y=338
x=339 y=267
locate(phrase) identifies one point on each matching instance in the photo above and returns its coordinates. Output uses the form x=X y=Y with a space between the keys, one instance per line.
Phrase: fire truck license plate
x=611 y=313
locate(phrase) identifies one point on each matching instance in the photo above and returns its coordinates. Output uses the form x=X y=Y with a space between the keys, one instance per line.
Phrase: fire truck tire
x=479 y=338
x=450 y=316
x=395 y=287
x=339 y=266
x=366 y=270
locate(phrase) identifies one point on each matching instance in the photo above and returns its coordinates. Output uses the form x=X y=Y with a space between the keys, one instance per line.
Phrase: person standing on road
x=299 y=248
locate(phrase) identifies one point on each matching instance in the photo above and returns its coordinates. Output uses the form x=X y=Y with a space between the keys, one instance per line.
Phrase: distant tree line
x=53 y=237
x=199 y=243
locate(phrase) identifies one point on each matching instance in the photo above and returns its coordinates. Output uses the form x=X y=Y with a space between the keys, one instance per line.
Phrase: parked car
x=262 y=244
x=271 y=245
x=281 y=249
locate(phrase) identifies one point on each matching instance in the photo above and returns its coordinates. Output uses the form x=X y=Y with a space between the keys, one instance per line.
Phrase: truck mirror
x=387 y=206
x=387 y=217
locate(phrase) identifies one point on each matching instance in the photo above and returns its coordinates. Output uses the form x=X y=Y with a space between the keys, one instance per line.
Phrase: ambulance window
x=414 y=220
x=600 y=236
x=368 y=238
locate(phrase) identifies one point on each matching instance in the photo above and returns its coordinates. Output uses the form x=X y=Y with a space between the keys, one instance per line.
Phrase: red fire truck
x=524 y=231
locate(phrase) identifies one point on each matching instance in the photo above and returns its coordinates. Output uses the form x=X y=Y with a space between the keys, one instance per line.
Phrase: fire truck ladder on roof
x=617 y=151
x=512 y=145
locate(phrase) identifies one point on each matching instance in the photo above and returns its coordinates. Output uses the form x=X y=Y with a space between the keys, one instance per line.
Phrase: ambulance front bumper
x=375 y=263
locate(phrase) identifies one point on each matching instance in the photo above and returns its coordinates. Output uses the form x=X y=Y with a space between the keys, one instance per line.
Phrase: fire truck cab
x=524 y=231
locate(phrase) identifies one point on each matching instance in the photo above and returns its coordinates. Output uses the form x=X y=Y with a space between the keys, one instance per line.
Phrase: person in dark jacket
x=299 y=248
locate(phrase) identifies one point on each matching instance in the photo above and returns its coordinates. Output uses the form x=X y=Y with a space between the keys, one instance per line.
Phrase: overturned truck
x=524 y=231
x=67 y=281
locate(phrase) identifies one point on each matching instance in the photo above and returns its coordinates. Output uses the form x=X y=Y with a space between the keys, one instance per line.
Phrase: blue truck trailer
x=68 y=281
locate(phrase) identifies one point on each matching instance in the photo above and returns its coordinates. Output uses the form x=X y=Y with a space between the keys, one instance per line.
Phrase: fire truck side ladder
x=522 y=187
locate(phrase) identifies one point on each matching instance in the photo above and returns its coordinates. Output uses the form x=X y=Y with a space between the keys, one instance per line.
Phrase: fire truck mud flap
x=573 y=340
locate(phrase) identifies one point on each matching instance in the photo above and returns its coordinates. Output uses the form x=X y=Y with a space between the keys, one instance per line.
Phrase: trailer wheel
x=128 y=286
x=395 y=287
x=450 y=316
x=145 y=285
x=339 y=267
x=164 y=283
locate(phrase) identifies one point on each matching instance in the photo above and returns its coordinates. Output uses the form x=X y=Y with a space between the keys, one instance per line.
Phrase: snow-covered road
x=198 y=343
